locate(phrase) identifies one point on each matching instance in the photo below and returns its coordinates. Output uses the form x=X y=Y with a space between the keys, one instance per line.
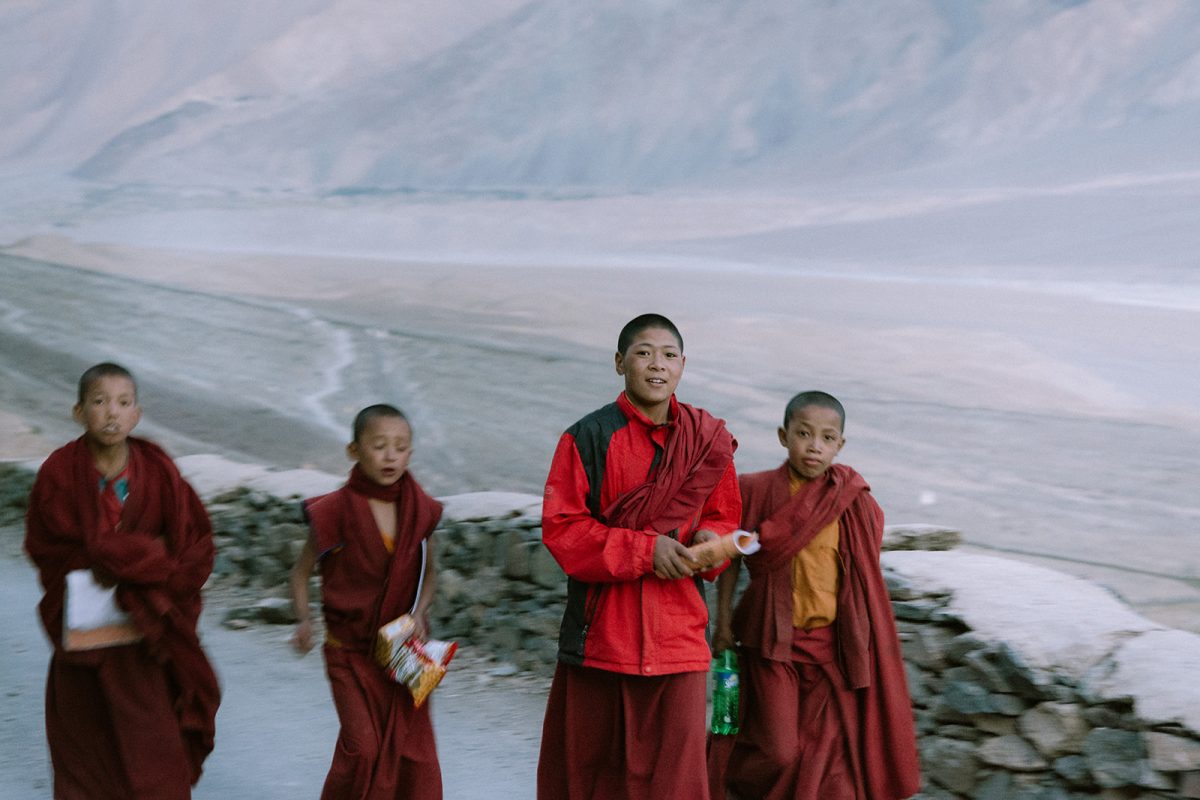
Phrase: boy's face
x=383 y=449
x=652 y=367
x=813 y=438
x=109 y=410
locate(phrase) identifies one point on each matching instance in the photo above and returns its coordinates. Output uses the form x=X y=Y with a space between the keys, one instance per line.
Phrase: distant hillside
x=360 y=96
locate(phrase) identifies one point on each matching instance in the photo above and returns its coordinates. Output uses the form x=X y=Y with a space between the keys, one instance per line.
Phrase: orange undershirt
x=815 y=575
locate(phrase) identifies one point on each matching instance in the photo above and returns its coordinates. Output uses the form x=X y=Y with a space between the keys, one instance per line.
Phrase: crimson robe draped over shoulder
x=386 y=746
x=152 y=725
x=869 y=654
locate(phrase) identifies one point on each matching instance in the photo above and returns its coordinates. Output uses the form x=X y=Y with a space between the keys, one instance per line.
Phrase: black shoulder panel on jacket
x=592 y=435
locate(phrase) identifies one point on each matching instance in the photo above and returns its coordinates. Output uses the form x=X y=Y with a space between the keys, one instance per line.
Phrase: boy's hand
x=421 y=625
x=704 y=535
x=104 y=577
x=302 y=638
x=723 y=638
x=672 y=560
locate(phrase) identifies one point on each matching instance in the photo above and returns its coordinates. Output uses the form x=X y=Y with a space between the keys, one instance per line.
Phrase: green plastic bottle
x=725 y=694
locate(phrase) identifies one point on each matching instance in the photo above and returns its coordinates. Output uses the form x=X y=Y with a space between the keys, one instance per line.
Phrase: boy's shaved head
x=813 y=398
x=105 y=369
x=372 y=413
x=644 y=322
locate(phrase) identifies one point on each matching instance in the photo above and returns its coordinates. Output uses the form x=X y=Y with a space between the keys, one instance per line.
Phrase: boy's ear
x=352 y=451
x=783 y=436
x=619 y=363
x=77 y=413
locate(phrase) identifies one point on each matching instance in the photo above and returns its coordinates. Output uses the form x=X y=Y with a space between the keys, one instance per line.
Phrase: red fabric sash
x=363 y=485
x=697 y=453
x=160 y=553
x=363 y=585
x=815 y=505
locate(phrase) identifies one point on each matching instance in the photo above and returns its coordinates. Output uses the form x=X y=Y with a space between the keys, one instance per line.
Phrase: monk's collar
x=633 y=412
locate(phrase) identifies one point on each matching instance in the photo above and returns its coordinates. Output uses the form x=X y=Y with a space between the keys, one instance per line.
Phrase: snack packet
x=418 y=664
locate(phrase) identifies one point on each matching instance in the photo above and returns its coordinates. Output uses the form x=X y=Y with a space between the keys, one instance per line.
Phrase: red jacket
x=617 y=481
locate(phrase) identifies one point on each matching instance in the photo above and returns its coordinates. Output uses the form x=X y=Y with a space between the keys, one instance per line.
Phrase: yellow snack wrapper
x=418 y=664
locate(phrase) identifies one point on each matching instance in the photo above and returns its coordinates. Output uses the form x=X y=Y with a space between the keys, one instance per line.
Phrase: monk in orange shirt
x=826 y=713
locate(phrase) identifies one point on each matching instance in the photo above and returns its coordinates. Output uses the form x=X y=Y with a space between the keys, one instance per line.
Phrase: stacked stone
x=15 y=482
x=500 y=589
x=992 y=728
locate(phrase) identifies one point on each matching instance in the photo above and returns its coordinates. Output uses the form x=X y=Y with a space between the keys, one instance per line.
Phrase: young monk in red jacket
x=129 y=714
x=826 y=713
x=372 y=541
x=631 y=485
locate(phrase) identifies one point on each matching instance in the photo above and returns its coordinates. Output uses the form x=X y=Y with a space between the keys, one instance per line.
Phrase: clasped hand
x=672 y=560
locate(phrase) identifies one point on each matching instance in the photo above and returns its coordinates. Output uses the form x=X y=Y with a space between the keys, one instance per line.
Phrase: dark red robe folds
x=827 y=713
x=386 y=747
x=132 y=721
x=625 y=716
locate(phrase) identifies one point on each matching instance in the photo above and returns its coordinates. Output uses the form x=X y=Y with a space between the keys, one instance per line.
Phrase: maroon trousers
x=609 y=736
x=798 y=728
x=112 y=729
x=385 y=749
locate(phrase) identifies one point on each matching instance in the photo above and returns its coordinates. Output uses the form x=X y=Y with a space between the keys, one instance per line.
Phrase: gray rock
x=1189 y=785
x=545 y=571
x=917 y=610
x=967 y=698
x=1114 y=757
x=920 y=537
x=1012 y=753
x=1056 y=729
x=1172 y=753
x=951 y=764
x=516 y=560
x=899 y=588
x=275 y=611
x=996 y=724
x=1074 y=770
x=928 y=647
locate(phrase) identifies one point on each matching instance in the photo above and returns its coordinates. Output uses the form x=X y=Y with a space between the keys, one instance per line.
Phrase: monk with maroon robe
x=371 y=539
x=630 y=486
x=132 y=720
x=825 y=708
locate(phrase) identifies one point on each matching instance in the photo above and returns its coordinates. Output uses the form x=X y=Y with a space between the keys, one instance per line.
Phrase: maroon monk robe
x=696 y=455
x=132 y=721
x=806 y=689
x=386 y=747
x=612 y=736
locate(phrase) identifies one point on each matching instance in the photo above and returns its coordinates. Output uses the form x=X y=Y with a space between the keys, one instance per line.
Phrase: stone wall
x=1033 y=685
x=1027 y=684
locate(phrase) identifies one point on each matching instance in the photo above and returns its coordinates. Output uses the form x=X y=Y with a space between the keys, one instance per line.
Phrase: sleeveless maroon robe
x=386 y=747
